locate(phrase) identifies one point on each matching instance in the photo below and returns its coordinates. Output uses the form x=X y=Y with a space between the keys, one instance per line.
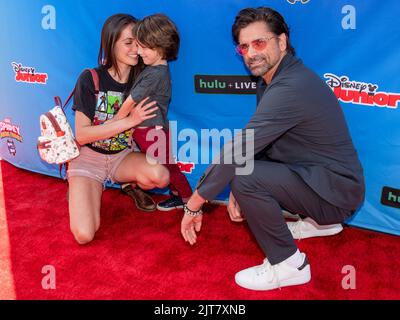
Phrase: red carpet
x=139 y=255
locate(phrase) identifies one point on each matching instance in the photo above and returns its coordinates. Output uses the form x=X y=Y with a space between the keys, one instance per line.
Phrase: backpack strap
x=60 y=167
x=58 y=101
x=95 y=78
x=55 y=124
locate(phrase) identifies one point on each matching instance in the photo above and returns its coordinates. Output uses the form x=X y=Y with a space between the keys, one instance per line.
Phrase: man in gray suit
x=305 y=159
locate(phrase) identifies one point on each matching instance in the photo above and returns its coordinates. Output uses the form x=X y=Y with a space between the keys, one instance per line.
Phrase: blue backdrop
x=353 y=45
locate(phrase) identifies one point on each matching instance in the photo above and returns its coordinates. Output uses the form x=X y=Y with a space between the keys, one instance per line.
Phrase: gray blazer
x=299 y=122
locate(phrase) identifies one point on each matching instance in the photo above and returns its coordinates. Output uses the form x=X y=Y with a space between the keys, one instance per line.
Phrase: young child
x=158 y=42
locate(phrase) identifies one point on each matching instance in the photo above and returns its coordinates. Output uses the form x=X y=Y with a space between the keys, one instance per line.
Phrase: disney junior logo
x=28 y=74
x=294 y=1
x=9 y=130
x=363 y=93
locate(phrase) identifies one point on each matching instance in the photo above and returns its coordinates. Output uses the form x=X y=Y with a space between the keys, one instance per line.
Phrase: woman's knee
x=82 y=235
x=160 y=176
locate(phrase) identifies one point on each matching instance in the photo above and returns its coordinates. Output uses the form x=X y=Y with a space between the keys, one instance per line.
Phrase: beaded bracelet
x=191 y=212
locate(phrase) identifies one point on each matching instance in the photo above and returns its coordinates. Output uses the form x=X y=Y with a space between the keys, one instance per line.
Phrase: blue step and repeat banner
x=352 y=44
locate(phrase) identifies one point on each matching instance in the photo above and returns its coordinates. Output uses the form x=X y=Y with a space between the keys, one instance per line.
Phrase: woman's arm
x=126 y=107
x=85 y=132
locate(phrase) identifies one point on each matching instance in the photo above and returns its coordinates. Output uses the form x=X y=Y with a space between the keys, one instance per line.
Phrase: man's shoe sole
x=319 y=233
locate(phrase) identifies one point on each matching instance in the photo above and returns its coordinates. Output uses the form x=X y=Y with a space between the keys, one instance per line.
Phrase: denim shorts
x=95 y=165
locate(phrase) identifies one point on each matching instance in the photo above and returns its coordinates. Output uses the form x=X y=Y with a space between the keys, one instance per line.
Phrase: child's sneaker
x=174 y=202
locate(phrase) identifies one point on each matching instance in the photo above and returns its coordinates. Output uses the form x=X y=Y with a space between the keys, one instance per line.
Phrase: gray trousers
x=269 y=189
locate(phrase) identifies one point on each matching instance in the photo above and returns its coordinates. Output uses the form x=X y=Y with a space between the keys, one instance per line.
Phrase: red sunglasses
x=258 y=45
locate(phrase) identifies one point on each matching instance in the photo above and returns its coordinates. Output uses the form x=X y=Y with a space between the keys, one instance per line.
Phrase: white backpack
x=56 y=143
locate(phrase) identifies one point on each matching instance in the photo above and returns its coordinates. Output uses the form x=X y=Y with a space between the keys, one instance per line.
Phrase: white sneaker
x=268 y=277
x=308 y=228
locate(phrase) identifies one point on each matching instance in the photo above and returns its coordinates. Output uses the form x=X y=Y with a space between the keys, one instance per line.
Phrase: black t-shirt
x=108 y=102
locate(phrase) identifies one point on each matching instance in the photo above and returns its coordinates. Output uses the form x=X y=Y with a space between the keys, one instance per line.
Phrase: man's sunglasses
x=258 y=45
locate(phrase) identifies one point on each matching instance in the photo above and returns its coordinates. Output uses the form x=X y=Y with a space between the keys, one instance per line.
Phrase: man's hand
x=234 y=210
x=189 y=227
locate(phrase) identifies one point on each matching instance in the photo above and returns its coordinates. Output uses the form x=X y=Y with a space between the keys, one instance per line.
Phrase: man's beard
x=260 y=69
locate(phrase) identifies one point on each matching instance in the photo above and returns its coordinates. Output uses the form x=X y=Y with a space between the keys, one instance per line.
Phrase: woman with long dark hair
x=106 y=152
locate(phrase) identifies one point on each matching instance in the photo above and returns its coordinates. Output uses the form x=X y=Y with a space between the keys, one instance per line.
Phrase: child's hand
x=142 y=112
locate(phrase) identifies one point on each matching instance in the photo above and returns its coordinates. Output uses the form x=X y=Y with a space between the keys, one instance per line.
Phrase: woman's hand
x=142 y=111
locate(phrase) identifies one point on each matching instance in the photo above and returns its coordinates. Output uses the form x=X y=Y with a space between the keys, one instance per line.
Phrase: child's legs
x=178 y=182
x=139 y=135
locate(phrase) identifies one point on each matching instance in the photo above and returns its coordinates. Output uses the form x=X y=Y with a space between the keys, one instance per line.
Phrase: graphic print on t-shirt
x=108 y=104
